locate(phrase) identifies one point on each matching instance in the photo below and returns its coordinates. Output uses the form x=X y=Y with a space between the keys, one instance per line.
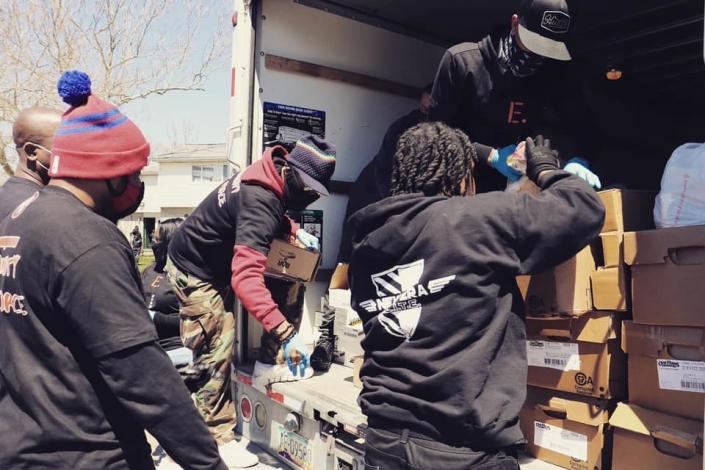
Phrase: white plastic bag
x=681 y=201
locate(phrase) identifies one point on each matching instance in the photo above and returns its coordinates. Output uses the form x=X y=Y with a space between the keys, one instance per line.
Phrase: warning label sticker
x=561 y=440
x=684 y=376
x=553 y=355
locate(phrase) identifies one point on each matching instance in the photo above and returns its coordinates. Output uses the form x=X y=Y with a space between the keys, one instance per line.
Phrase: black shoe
x=322 y=355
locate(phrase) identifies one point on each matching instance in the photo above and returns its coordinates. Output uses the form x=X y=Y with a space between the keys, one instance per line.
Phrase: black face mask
x=519 y=62
x=126 y=201
x=295 y=196
x=160 y=255
x=35 y=165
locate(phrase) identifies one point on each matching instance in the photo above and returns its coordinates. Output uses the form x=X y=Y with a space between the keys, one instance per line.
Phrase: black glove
x=540 y=157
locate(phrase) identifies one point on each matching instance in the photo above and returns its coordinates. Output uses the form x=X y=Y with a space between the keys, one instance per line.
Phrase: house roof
x=194 y=153
x=151 y=169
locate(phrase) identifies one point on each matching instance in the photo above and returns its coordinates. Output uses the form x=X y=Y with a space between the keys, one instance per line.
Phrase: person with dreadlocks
x=514 y=84
x=432 y=276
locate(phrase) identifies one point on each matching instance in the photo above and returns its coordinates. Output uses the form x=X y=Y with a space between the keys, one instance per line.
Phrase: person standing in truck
x=432 y=276
x=371 y=185
x=222 y=248
x=510 y=86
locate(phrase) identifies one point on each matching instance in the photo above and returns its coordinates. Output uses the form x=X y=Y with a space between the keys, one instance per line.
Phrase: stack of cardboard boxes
x=661 y=425
x=347 y=327
x=577 y=369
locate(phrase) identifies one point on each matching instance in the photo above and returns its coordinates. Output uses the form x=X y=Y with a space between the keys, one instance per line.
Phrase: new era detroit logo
x=399 y=297
x=398 y=279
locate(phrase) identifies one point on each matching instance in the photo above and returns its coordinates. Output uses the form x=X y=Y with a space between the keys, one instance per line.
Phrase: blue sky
x=205 y=111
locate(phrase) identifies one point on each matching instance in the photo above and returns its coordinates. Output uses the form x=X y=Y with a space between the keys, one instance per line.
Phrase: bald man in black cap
x=33 y=134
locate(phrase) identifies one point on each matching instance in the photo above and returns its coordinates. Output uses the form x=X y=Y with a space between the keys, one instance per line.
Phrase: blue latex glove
x=296 y=354
x=580 y=167
x=498 y=161
x=308 y=240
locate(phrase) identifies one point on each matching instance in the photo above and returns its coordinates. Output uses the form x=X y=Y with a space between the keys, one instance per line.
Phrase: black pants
x=386 y=450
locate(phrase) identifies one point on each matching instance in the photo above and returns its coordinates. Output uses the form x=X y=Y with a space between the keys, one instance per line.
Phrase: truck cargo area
x=352 y=67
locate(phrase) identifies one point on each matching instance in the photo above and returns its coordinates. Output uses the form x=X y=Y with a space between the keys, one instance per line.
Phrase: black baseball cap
x=543 y=27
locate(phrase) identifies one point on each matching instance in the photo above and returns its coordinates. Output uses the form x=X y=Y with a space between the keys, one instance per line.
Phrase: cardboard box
x=565 y=430
x=609 y=289
x=347 y=327
x=339 y=279
x=612 y=249
x=577 y=355
x=666 y=368
x=564 y=289
x=627 y=210
x=649 y=440
x=357 y=365
x=291 y=262
x=667 y=268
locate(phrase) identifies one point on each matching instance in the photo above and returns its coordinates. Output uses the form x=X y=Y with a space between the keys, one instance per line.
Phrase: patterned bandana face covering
x=519 y=62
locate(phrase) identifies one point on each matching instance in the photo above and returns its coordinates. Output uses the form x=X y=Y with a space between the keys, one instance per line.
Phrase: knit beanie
x=314 y=160
x=95 y=140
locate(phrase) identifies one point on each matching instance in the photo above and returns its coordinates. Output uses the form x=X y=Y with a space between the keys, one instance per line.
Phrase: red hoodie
x=227 y=238
x=251 y=249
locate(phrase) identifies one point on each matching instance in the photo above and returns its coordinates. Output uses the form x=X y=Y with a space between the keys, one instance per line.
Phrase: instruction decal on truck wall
x=287 y=124
x=311 y=221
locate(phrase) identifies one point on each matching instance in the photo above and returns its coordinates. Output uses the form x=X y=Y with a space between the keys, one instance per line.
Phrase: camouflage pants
x=208 y=329
x=289 y=297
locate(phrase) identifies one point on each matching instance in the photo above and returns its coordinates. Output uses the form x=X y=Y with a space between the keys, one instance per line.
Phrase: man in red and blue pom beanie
x=81 y=375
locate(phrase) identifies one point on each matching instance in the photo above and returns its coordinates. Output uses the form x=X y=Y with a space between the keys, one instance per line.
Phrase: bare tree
x=132 y=49
x=180 y=134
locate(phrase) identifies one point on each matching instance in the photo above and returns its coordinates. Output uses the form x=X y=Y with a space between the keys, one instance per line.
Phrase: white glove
x=308 y=240
x=580 y=168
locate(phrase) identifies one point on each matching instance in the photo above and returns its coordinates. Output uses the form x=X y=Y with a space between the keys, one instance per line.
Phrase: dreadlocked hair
x=432 y=158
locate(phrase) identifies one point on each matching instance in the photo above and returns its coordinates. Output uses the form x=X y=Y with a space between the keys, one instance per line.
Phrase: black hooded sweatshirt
x=433 y=279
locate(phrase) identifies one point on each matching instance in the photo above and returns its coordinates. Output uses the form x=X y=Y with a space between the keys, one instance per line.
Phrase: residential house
x=176 y=182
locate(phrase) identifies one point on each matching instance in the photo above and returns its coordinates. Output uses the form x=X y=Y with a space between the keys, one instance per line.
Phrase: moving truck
x=348 y=68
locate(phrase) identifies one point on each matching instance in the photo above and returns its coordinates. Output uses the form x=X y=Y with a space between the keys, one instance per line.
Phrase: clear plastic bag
x=517 y=160
x=681 y=201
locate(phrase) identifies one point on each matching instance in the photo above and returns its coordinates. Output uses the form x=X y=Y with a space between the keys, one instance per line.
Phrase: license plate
x=294 y=448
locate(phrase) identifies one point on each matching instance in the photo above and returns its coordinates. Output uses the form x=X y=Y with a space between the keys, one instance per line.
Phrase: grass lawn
x=145 y=260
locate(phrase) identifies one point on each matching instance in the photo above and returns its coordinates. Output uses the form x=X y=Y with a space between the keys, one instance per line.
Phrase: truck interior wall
x=657 y=44
x=639 y=131
x=356 y=117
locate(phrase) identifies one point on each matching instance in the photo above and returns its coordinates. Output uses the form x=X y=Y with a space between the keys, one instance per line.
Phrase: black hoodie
x=433 y=279
x=472 y=92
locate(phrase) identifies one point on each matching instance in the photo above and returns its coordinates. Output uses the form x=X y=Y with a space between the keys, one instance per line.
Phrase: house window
x=206 y=173
x=210 y=173
x=195 y=173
